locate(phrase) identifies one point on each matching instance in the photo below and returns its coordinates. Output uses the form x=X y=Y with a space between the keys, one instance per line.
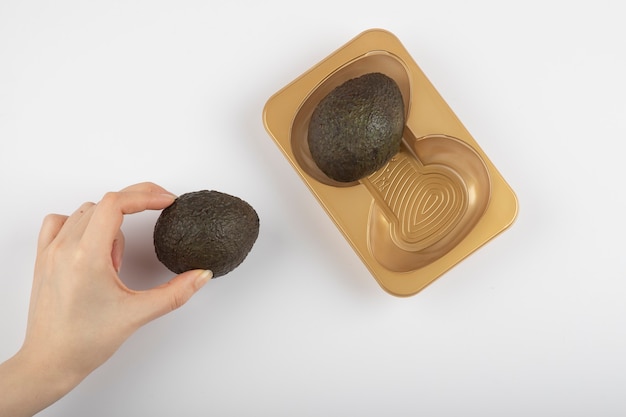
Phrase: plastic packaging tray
x=437 y=201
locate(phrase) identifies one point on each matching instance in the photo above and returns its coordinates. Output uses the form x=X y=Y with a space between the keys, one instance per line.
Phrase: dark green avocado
x=357 y=128
x=205 y=230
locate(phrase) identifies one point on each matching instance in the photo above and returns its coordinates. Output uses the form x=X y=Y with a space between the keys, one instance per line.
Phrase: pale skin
x=80 y=311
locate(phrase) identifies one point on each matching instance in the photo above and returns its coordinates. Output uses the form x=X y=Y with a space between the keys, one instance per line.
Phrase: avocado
x=357 y=128
x=205 y=230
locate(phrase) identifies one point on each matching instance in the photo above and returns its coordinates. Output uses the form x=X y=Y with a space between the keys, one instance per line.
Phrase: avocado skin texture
x=357 y=128
x=205 y=230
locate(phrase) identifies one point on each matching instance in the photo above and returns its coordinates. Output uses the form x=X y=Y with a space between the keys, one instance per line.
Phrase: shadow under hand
x=141 y=269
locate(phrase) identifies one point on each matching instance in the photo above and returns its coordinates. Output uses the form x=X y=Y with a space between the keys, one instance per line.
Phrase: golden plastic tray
x=438 y=200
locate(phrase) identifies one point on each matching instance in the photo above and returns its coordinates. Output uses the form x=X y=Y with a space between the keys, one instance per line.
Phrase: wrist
x=50 y=369
x=29 y=383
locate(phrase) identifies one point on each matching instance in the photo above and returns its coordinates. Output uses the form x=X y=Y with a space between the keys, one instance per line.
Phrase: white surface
x=95 y=96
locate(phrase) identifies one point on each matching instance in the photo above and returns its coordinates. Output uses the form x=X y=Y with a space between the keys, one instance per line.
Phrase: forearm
x=28 y=385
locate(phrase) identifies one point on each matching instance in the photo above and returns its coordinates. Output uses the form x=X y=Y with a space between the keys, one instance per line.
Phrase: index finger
x=149 y=187
x=108 y=214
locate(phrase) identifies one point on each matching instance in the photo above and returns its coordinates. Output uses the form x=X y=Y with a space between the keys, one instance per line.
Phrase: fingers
x=109 y=213
x=148 y=187
x=161 y=300
x=100 y=223
x=50 y=228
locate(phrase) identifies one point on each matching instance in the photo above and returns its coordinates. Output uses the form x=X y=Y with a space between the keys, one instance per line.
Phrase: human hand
x=80 y=311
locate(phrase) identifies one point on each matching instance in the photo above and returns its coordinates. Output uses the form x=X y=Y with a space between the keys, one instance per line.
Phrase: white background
x=95 y=96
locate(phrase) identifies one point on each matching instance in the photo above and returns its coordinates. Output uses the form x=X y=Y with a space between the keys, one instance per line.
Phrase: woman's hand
x=80 y=311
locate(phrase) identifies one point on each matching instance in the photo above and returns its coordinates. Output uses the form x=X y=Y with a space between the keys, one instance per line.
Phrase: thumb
x=171 y=295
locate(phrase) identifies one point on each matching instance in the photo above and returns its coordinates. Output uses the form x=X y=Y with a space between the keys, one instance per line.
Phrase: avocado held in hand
x=205 y=230
x=357 y=128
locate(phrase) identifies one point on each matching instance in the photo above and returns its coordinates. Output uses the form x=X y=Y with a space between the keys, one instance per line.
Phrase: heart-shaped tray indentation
x=426 y=200
x=421 y=203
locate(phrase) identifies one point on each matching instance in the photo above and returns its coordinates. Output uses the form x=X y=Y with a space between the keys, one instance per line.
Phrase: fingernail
x=168 y=195
x=203 y=278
